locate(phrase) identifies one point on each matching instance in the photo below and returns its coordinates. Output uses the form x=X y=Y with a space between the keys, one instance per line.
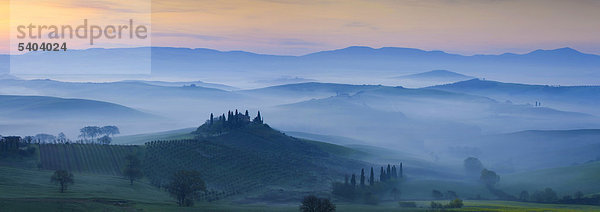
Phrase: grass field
x=51 y=204
x=31 y=190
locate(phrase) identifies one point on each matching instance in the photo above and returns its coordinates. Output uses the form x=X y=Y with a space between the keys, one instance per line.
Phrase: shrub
x=312 y=203
x=436 y=205
x=408 y=204
x=456 y=203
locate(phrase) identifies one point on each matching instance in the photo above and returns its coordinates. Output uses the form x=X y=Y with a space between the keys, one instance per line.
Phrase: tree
x=372 y=178
x=524 y=196
x=63 y=178
x=133 y=169
x=362 y=177
x=258 y=119
x=45 y=138
x=382 y=175
x=388 y=174
x=472 y=166
x=89 y=132
x=489 y=178
x=105 y=140
x=109 y=130
x=578 y=195
x=437 y=194
x=211 y=119
x=62 y=138
x=401 y=174
x=185 y=187
x=312 y=203
x=353 y=180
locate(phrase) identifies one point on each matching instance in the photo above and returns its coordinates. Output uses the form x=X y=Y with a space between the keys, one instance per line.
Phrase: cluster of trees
x=312 y=203
x=14 y=145
x=42 y=138
x=548 y=195
x=102 y=133
x=369 y=189
x=233 y=120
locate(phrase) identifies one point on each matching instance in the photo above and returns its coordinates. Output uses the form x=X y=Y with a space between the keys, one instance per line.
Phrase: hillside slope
x=248 y=158
x=573 y=98
x=564 y=180
x=23 y=107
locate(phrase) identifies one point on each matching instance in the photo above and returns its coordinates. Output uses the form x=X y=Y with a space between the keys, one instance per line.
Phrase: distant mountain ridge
x=437 y=75
x=558 y=66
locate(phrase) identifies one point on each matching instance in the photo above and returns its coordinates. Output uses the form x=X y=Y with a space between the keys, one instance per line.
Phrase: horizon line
x=330 y=50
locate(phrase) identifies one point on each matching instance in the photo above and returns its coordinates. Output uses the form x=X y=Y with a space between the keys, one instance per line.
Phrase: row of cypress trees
x=386 y=174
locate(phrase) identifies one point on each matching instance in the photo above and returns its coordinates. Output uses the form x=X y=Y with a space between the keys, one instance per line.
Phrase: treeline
x=88 y=134
x=548 y=195
x=14 y=145
x=370 y=190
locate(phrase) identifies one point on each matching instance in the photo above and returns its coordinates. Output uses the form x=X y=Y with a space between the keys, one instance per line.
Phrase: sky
x=299 y=27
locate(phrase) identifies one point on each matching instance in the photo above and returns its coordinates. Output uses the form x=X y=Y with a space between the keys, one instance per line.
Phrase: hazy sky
x=299 y=27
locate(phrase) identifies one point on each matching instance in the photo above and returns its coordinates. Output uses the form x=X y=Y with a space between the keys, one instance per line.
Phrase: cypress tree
x=394 y=172
x=362 y=177
x=372 y=177
x=388 y=174
x=401 y=174
x=246 y=114
x=259 y=118
x=211 y=119
x=382 y=175
x=353 y=180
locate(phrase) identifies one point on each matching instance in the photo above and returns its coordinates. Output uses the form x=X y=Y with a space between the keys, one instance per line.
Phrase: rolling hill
x=395 y=115
x=437 y=75
x=430 y=78
x=43 y=107
x=577 y=98
x=242 y=160
x=190 y=83
x=538 y=149
x=30 y=115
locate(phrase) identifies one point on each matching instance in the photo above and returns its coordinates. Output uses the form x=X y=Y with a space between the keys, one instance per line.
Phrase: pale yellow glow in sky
x=299 y=27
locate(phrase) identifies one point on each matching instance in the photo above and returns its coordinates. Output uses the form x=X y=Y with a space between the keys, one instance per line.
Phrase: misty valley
x=241 y=137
